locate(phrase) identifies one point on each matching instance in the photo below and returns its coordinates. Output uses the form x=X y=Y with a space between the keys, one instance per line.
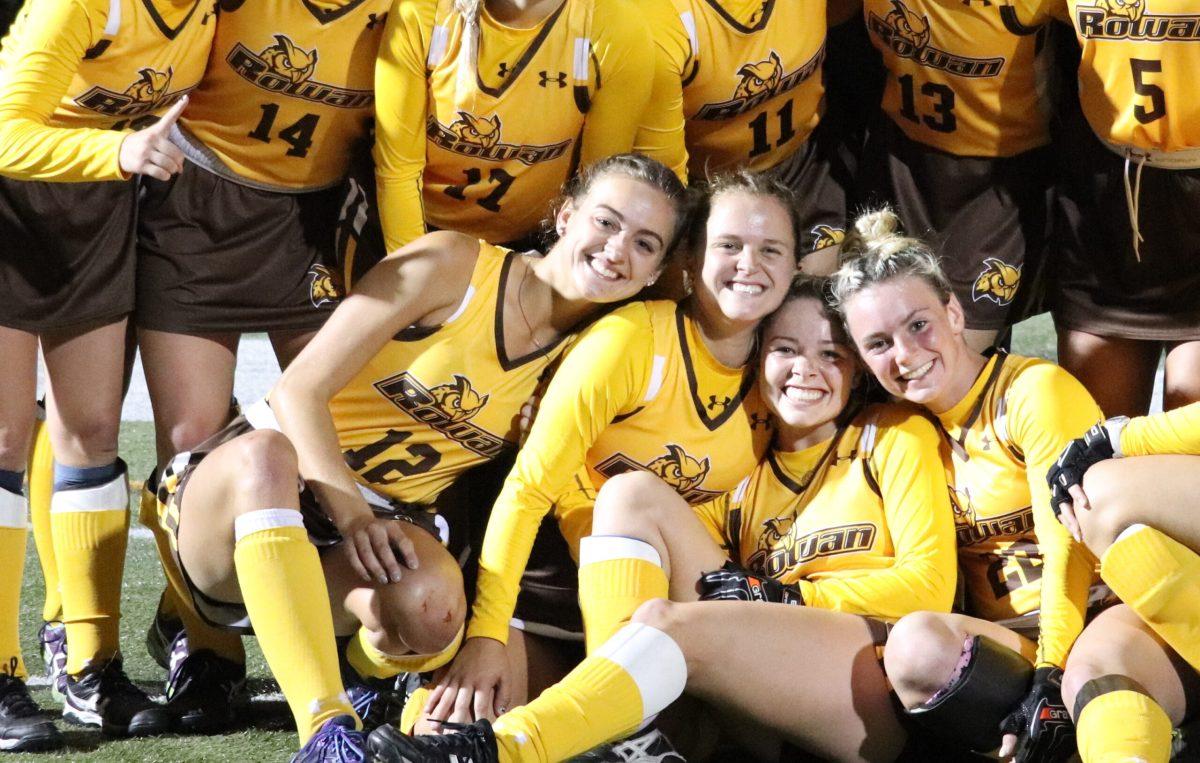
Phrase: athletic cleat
x=646 y=746
x=375 y=700
x=335 y=742
x=164 y=638
x=473 y=743
x=53 y=638
x=23 y=728
x=103 y=696
x=206 y=692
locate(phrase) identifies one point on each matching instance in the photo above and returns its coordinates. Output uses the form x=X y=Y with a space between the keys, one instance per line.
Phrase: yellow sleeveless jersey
x=1014 y=555
x=968 y=78
x=752 y=91
x=436 y=401
x=94 y=66
x=1138 y=58
x=496 y=138
x=1171 y=432
x=861 y=523
x=638 y=391
x=289 y=88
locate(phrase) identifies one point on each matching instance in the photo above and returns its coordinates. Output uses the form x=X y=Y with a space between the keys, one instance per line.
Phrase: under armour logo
x=544 y=79
x=714 y=403
x=503 y=70
x=759 y=421
x=375 y=19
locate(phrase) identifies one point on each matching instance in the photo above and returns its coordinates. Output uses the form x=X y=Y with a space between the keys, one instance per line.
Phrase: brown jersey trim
x=767 y=9
x=324 y=17
x=1008 y=15
x=525 y=58
x=712 y=424
x=506 y=363
x=168 y=32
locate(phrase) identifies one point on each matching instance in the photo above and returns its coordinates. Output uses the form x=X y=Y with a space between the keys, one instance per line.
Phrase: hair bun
x=877 y=224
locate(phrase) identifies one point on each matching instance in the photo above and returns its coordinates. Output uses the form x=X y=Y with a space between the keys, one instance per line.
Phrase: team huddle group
x=610 y=427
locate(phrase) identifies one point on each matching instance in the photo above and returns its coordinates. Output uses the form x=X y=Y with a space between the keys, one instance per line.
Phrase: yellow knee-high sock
x=413 y=707
x=370 y=662
x=91 y=529
x=13 y=532
x=1117 y=722
x=283 y=588
x=41 y=487
x=632 y=677
x=1159 y=579
x=616 y=574
x=200 y=634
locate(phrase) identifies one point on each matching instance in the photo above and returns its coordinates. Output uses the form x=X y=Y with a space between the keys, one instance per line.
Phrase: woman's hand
x=150 y=151
x=476 y=685
x=376 y=547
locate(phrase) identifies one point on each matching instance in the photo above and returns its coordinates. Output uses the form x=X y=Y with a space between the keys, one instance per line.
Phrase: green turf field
x=269 y=736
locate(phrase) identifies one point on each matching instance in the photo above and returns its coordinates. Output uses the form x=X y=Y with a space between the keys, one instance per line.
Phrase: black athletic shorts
x=818 y=175
x=66 y=253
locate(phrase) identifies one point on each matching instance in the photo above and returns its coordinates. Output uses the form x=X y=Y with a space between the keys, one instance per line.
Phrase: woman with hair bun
x=1004 y=418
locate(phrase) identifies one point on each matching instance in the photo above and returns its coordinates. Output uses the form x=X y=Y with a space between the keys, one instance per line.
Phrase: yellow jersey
x=484 y=146
x=1171 y=432
x=860 y=523
x=77 y=75
x=1139 y=57
x=1014 y=555
x=752 y=92
x=637 y=391
x=289 y=88
x=436 y=401
x=966 y=78
x=661 y=132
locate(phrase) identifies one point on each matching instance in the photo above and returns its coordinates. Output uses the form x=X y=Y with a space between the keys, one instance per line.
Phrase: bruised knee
x=922 y=653
x=422 y=613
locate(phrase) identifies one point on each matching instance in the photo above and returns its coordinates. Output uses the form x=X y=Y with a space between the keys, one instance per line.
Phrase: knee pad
x=969 y=712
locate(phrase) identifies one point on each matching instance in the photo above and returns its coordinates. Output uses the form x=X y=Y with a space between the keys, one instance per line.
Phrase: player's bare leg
x=1181 y=383
x=1119 y=373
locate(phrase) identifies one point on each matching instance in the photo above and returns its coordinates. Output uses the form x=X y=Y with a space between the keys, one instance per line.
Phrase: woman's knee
x=1108 y=498
x=922 y=652
x=422 y=613
x=630 y=496
x=263 y=468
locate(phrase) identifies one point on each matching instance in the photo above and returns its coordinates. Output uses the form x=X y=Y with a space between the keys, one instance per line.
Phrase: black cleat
x=473 y=743
x=23 y=728
x=206 y=693
x=104 y=697
x=646 y=746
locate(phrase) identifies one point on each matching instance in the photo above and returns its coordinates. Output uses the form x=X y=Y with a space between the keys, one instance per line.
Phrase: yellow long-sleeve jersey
x=1015 y=556
x=289 y=88
x=435 y=402
x=76 y=75
x=752 y=92
x=661 y=132
x=968 y=79
x=861 y=523
x=483 y=146
x=1140 y=59
x=1171 y=432
x=637 y=391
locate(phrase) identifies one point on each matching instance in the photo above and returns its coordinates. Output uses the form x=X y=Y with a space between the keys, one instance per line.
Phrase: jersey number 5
x=298 y=135
x=1158 y=99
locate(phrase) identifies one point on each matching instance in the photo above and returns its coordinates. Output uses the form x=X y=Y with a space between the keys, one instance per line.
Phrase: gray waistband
x=203 y=157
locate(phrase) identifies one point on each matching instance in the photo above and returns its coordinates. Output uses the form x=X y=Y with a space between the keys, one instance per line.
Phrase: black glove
x=1097 y=444
x=1044 y=729
x=732 y=583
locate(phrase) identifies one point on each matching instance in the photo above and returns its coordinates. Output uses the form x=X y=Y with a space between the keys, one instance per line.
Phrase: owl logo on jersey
x=151 y=86
x=1128 y=9
x=678 y=469
x=458 y=400
x=998 y=282
x=288 y=61
x=325 y=286
x=762 y=77
x=907 y=25
x=477 y=130
x=962 y=505
x=825 y=236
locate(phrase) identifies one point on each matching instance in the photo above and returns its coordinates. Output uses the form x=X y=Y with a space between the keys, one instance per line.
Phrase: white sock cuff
x=1129 y=531
x=13 y=510
x=260 y=415
x=265 y=519
x=653 y=660
x=603 y=548
x=111 y=496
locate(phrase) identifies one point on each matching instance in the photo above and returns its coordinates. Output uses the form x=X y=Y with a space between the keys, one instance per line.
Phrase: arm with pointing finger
x=150 y=151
